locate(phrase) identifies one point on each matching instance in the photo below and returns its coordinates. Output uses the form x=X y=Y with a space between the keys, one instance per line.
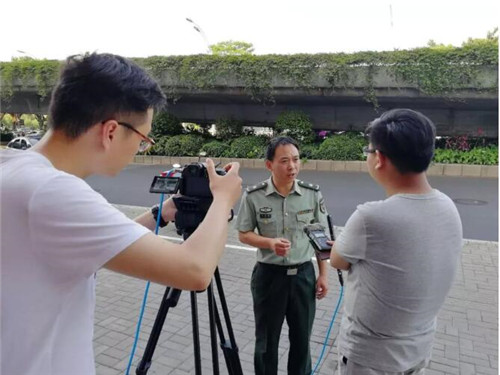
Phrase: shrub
x=228 y=128
x=216 y=148
x=308 y=151
x=295 y=124
x=346 y=146
x=6 y=137
x=464 y=142
x=252 y=147
x=159 y=147
x=184 y=145
x=478 y=155
x=165 y=123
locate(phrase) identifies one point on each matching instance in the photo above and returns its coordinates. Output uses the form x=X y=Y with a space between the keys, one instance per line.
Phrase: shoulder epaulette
x=307 y=185
x=259 y=186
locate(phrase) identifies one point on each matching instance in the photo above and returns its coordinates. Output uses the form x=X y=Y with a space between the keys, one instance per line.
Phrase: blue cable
x=144 y=299
x=329 y=330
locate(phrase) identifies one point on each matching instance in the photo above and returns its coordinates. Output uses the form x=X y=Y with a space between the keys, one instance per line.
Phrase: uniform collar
x=270 y=188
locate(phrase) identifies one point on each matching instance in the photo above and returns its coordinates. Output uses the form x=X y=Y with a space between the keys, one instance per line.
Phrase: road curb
x=435 y=169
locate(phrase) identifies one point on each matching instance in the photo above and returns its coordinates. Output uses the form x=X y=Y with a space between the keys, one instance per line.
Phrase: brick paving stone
x=485 y=370
x=467 y=369
x=466 y=339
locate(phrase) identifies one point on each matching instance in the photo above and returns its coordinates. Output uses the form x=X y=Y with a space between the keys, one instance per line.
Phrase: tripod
x=229 y=347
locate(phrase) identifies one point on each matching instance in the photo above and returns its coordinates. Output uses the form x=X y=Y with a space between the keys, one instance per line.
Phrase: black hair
x=95 y=87
x=406 y=137
x=279 y=141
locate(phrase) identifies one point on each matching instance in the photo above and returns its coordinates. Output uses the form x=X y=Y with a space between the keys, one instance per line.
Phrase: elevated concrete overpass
x=467 y=110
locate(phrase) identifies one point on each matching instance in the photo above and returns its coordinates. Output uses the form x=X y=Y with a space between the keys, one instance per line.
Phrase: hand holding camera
x=169 y=210
x=227 y=187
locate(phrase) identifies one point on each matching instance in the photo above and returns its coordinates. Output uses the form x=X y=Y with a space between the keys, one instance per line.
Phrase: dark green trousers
x=278 y=295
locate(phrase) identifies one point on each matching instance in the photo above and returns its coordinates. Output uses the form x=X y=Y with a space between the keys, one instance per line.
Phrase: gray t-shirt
x=404 y=252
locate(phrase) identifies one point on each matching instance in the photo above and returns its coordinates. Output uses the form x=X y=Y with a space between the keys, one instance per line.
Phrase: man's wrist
x=155 y=211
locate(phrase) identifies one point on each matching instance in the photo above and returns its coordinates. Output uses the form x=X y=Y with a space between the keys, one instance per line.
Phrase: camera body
x=192 y=182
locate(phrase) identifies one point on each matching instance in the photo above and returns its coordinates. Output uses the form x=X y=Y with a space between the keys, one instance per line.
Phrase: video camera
x=191 y=181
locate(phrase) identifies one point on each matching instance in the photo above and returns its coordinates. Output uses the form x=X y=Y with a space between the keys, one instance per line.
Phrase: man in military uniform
x=283 y=281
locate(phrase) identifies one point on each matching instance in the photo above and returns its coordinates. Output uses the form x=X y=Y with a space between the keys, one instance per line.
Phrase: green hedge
x=478 y=155
x=228 y=128
x=159 y=147
x=184 y=145
x=216 y=149
x=295 y=124
x=346 y=146
x=307 y=151
x=164 y=124
x=251 y=146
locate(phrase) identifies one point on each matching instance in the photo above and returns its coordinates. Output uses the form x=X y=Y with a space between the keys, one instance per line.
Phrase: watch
x=155 y=210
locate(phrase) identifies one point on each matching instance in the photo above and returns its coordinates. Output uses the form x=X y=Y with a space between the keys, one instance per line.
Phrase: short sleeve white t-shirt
x=56 y=232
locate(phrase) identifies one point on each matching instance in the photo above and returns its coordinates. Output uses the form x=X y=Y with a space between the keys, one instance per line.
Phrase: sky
x=55 y=29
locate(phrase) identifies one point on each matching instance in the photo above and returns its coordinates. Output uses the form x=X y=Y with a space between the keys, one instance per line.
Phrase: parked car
x=22 y=143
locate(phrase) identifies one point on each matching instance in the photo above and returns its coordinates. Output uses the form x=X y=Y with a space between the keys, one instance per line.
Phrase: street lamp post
x=27 y=54
x=200 y=30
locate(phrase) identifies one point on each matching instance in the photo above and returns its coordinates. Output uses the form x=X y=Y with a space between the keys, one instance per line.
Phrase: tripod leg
x=213 y=333
x=196 y=334
x=229 y=348
x=170 y=299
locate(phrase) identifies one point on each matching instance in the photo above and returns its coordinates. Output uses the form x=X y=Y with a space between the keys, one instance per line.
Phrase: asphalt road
x=476 y=198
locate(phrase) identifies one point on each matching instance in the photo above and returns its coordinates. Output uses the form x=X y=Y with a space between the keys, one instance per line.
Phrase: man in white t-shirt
x=402 y=254
x=56 y=232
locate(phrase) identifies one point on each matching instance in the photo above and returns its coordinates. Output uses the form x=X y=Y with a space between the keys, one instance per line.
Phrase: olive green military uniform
x=283 y=287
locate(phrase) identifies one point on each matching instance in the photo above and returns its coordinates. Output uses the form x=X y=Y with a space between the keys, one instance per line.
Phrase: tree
x=295 y=124
x=491 y=36
x=165 y=123
x=228 y=128
x=231 y=47
x=42 y=122
x=433 y=44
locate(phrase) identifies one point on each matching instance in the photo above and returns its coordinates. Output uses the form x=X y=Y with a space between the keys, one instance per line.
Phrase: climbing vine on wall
x=436 y=70
x=21 y=71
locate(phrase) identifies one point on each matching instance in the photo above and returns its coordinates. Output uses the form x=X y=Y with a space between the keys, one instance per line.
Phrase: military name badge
x=322 y=205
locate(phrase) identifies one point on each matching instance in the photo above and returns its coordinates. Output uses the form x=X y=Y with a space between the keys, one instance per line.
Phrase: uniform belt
x=278 y=267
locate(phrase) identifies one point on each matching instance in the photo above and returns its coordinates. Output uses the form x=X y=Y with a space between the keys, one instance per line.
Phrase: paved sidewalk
x=466 y=340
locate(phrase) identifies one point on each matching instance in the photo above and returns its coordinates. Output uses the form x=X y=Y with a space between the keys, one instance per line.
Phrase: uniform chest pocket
x=267 y=227
x=304 y=218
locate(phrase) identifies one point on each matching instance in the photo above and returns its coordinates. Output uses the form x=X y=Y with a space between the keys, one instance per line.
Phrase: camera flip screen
x=167 y=185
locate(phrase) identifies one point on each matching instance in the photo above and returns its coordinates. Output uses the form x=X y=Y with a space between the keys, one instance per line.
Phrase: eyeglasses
x=367 y=150
x=146 y=142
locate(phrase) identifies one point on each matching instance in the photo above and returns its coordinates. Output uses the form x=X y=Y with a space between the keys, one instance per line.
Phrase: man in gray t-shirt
x=402 y=254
